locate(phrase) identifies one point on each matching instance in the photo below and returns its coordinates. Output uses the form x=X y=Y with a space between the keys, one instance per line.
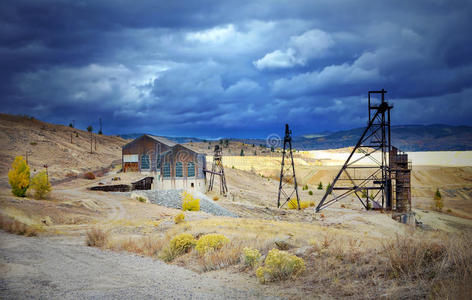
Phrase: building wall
x=161 y=154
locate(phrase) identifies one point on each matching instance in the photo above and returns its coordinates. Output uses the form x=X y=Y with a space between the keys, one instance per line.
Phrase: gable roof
x=162 y=140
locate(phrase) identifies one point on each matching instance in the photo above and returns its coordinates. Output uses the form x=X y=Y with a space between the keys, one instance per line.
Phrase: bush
x=215 y=198
x=19 y=176
x=292 y=204
x=250 y=257
x=179 y=244
x=97 y=238
x=141 y=199
x=189 y=202
x=280 y=265
x=33 y=143
x=210 y=242
x=89 y=176
x=15 y=227
x=438 y=202
x=320 y=186
x=310 y=193
x=179 y=218
x=40 y=184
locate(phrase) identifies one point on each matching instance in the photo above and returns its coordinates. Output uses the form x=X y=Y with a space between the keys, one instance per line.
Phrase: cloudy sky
x=235 y=68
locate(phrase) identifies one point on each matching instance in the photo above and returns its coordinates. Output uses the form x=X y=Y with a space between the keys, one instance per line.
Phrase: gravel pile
x=173 y=199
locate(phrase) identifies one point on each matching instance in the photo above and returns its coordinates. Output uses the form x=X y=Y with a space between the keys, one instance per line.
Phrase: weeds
x=13 y=226
x=97 y=238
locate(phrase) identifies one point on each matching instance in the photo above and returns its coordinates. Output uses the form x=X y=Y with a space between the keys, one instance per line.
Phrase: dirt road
x=66 y=269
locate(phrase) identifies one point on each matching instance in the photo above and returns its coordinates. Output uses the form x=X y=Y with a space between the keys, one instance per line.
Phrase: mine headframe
x=217 y=169
x=287 y=173
x=366 y=172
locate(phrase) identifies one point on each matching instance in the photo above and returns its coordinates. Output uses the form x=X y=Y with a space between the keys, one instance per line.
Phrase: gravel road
x=63 y=268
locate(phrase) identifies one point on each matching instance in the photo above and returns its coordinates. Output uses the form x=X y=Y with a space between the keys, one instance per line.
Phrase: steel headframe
x=374 y=182
x=287 y=172
x=218 y=170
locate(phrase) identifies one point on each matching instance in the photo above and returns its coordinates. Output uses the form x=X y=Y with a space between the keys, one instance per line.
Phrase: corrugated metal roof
x=162 y=140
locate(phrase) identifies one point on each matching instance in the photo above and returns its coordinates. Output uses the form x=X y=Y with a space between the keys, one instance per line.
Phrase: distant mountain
x=178 y=139
x=405 y=137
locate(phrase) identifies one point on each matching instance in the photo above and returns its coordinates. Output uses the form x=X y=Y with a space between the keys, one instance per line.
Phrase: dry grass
x=13 y=226
x=96 y=237
x=412 y=265
x=228 y=255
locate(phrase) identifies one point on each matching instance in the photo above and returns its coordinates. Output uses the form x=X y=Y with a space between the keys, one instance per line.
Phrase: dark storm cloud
x=234 y=68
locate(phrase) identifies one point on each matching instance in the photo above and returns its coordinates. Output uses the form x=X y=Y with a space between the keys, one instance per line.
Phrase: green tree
x=242 y=152
x=328 y=188
x=40 y=184
x=90 y=128
x=320 y=186
x=70 y=125
x=19 y=176
x=438 y=202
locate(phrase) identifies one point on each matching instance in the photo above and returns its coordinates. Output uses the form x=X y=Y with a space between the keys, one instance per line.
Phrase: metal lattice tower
x=287 y=173
x=370 y=181
x=218 y=170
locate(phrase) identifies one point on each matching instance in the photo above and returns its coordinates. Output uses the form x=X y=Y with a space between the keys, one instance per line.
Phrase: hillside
x=406 y=138
x=50 y=144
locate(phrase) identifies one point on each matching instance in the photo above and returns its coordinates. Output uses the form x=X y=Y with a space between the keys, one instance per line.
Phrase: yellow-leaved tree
x=40 y=184
x=19 y=176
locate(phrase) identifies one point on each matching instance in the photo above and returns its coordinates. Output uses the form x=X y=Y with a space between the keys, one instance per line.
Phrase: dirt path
x=65 y=269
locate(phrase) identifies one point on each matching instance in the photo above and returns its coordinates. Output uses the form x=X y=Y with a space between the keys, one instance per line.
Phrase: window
x=145 y=162
x=167 y=170
x=158 y=159
x=178 y=169
x=191 y=169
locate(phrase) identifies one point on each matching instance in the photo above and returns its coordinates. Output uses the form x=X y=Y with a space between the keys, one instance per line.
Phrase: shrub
x=215 y=198
x=89 y=176
x=320 y=186
x=179 y=218
x=310 y=193
x=250 y=257
x=33 y=143
x=292 y=204
x=15 y=227
x=97 y=238
x=141 y=199
x=189 y=202
x=438 y=202
x=179 y=244
x=305 y=187
x=19 y=176
x=210 y=242
x=40 y=184
x=280 y=265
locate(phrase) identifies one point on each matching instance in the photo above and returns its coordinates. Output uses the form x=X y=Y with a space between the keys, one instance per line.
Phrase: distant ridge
x=436 y=137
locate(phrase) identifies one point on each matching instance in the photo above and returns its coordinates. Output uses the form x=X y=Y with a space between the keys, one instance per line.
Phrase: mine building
x=171 y=165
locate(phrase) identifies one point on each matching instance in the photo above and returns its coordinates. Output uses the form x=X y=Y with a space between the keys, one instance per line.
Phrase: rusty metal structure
x=287 y=173
x=384 y=181
x=217 y=169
